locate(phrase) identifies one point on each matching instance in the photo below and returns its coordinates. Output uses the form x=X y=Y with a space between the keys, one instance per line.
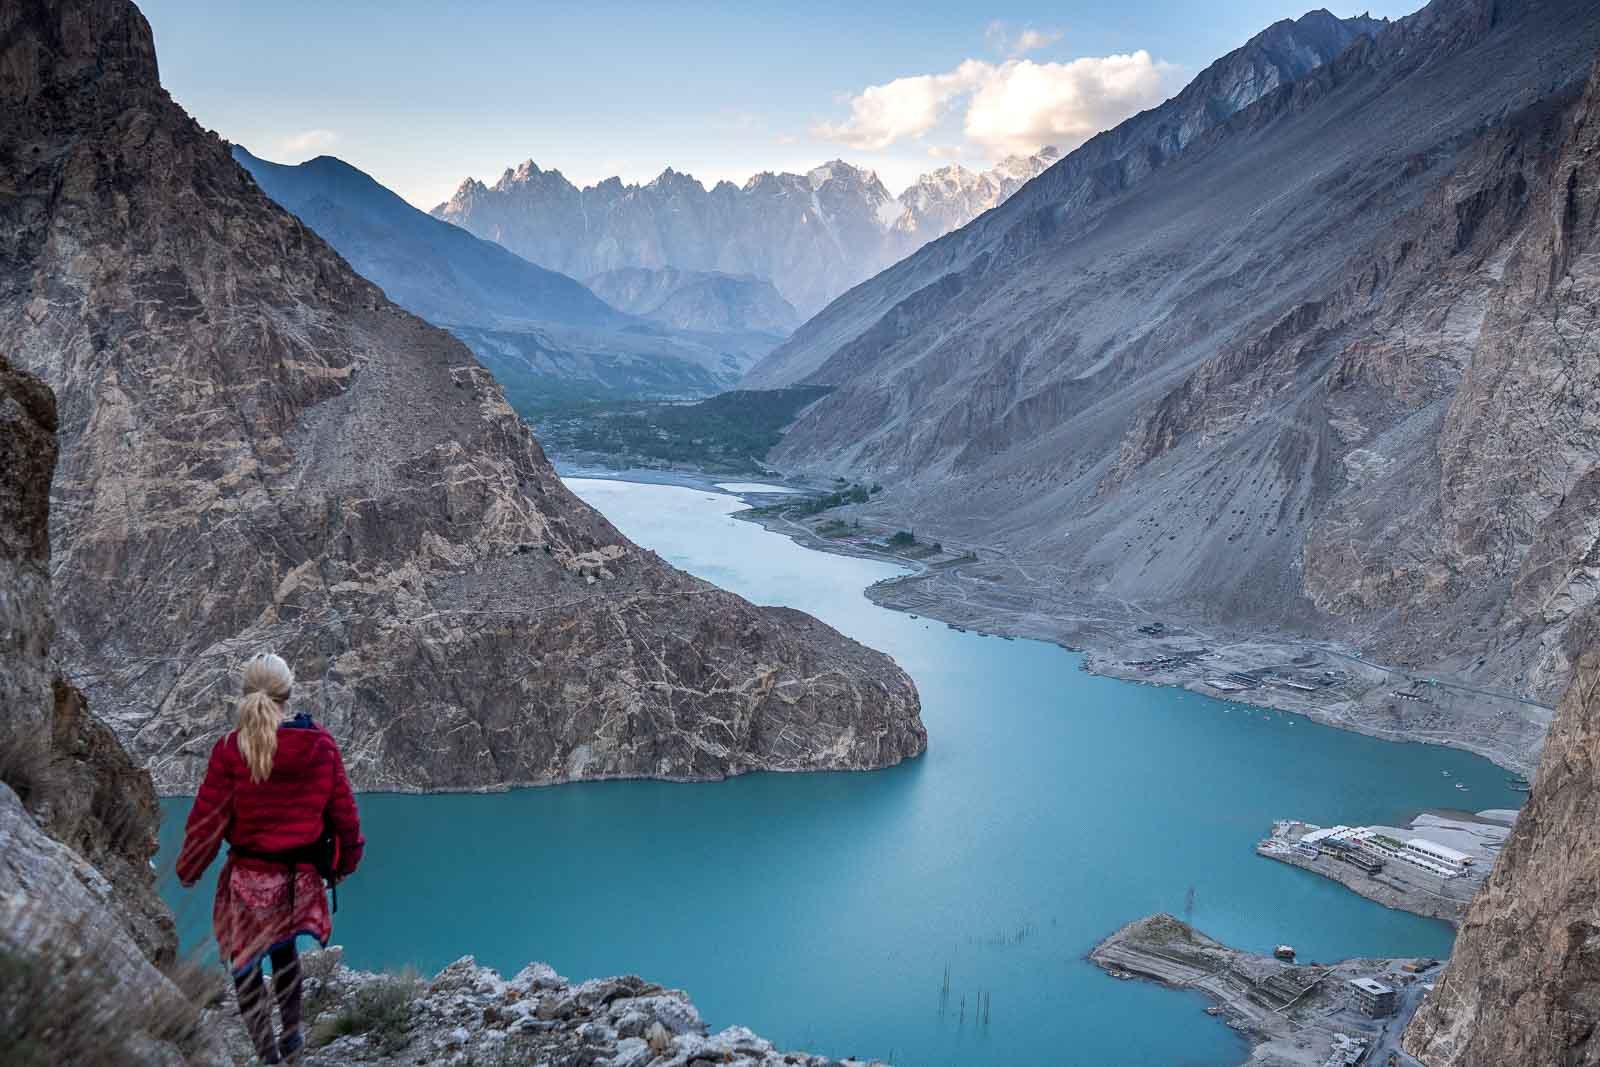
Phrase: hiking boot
x=290 y=1046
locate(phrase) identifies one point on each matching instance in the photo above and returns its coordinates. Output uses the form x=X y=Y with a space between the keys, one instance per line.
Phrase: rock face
x=62 y=767
x=1312 y=360
x=77 y=820
x=1523 y=984
x=259 y=450
x=698 y=300
x=27 y=459
x=470 y=1014
x=545 y=335
x=811 y=235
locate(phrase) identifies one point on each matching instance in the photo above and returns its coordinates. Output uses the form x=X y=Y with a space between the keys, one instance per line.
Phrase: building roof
x=1443 y=851
x=1370 y=985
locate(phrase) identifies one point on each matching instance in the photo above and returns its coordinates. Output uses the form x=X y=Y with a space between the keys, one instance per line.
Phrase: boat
x=1284 y=952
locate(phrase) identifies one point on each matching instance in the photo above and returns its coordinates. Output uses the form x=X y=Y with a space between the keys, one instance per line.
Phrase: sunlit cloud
x=880 y=115
x=1024 y=104
x=944 y=151
x=1015 y=106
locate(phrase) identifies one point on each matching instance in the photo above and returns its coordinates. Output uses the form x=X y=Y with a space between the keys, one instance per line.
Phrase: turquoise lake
x=823 y=910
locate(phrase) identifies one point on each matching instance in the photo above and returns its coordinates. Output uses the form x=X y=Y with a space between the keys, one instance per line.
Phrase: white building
x=1452 y=858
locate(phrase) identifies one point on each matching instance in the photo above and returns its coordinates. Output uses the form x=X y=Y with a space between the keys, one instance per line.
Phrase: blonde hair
x=267 y=681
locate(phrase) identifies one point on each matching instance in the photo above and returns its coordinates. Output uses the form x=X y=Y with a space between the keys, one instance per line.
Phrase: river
x=825 y=910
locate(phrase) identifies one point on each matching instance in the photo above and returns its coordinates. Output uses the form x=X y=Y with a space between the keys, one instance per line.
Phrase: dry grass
x=380 y=1009
x=60 y=1007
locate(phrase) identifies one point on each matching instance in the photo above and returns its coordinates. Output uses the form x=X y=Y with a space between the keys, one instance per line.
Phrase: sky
x=421 y=95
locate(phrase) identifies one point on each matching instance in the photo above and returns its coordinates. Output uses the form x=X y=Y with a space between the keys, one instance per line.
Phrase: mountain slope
x=1523 y=983
x=1299 y=378
x=428 y=267
x=1076 y=189
x=259 y=450
x=548 y=338
x=698 y=300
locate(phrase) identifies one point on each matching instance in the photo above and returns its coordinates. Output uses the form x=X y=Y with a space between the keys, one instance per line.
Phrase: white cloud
x=906 y=107
x=945 y=151
x=1015 y=106
x=1031 y=40
x=308 y=141
x=999 y=37
x=1024 y=105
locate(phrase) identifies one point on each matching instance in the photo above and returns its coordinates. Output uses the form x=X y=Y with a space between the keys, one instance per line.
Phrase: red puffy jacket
x=306 y=791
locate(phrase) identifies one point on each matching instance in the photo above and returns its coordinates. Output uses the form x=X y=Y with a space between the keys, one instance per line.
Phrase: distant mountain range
x=811 y=235
x=548 y=337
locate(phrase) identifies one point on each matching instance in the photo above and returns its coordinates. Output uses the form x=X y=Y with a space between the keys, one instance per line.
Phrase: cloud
x=308 y=141
x=1024 y=105
x=944 y=151
x=1031 y=40
x=906 y=107
x=1015 y=106
x=999 y=38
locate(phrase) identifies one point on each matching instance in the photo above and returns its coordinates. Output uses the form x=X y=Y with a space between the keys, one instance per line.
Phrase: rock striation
x=1523 y=983
x=259 y=450
x=1304 y=351
x=470 y=1014
x=812 y=235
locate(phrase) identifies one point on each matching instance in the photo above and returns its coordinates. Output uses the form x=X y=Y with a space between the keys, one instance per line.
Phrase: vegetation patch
x=731 y=432
x=381 y=1010
x=58 y=1005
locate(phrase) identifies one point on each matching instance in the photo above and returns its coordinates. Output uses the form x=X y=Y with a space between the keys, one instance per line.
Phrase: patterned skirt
x=260 y=907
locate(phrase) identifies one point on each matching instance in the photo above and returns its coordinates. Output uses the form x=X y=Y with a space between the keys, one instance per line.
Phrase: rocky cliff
x=1311 y=363
x=259 y=450
x=1523 y=984
x=77 y=820
x=812 y=235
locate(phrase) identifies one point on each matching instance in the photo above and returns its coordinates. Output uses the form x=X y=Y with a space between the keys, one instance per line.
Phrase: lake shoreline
x=1107 y=633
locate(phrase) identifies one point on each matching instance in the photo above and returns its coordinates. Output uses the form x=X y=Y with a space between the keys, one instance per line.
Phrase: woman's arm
x=208 y=818
x=342 y=816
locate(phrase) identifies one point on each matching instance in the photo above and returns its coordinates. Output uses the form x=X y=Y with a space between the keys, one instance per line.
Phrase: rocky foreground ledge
x=469 y=1014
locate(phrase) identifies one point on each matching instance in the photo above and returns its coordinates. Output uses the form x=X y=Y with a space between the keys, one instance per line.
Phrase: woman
x=276 y=791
